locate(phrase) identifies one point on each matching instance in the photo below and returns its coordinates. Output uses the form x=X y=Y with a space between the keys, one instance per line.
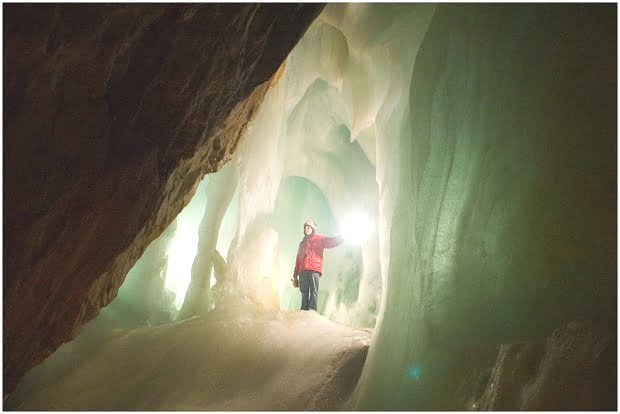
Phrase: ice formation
x=445 y=127
x=309 y=153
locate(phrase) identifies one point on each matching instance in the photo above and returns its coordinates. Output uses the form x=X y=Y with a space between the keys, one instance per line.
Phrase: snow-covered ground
x=232 y=359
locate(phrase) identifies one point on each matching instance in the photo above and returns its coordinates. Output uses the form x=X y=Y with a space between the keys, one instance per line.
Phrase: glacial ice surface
x=240 y=358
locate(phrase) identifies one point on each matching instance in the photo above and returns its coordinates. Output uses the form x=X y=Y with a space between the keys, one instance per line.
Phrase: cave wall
x=505 y=217
x=112 y=115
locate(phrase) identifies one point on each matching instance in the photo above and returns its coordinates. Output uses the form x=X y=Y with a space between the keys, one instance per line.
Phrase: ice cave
x=160 y=161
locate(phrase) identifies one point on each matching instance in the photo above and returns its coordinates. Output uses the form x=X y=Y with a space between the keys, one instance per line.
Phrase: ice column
x=219 y=190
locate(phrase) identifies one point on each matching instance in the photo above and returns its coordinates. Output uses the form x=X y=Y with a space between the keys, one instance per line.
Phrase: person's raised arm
x=329 y=242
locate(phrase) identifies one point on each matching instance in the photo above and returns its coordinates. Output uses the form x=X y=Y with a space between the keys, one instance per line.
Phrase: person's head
x=309 y=227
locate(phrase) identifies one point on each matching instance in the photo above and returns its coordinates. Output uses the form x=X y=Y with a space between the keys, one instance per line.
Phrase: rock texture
x=573 y=369
x=112 y=114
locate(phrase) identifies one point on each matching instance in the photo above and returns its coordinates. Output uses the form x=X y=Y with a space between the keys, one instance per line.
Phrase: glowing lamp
x=355 y=227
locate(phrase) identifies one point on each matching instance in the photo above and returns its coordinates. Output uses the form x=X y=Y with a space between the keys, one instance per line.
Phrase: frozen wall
x=504 y=214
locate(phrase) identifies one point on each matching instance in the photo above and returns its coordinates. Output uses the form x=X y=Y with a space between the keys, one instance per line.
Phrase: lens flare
x=414 y=372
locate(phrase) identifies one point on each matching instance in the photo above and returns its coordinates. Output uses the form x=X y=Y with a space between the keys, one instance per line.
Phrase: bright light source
x=355 y=228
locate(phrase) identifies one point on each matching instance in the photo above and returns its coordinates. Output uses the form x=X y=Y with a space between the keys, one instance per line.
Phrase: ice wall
x=504 y=212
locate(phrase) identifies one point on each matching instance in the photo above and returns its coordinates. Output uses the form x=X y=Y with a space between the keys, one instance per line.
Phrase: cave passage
x=476 y=145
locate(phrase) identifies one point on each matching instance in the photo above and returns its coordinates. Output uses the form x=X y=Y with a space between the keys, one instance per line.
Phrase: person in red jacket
x=309 y=264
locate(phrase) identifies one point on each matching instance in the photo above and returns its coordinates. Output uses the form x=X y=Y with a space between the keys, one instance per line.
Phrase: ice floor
x=231 y=359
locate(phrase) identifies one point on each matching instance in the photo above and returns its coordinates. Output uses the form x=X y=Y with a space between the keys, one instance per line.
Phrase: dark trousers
x=309 y=287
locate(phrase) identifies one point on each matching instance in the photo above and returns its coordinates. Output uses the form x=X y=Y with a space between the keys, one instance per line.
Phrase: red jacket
x=310 y=253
